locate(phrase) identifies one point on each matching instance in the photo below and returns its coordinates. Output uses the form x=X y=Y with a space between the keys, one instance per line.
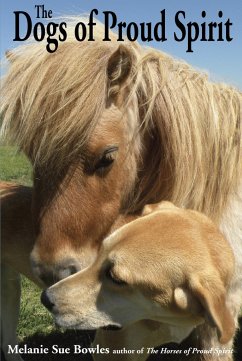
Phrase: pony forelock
x=52 y=102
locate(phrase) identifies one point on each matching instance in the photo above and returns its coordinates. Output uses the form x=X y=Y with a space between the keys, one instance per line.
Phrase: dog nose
x=46 y=301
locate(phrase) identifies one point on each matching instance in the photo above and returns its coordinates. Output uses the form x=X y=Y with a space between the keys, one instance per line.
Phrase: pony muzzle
x=50 y=274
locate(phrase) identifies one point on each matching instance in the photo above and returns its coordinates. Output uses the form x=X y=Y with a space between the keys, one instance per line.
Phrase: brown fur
x=16 y=230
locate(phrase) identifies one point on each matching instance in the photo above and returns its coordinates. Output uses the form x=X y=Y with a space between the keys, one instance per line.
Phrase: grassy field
x=14 y=166
x=35 y=325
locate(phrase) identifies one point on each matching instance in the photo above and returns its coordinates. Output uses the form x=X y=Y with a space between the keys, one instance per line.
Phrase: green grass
x=14 y=166
x=34 y=318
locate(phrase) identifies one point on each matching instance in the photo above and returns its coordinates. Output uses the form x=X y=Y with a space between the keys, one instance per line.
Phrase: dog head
x=171 y=266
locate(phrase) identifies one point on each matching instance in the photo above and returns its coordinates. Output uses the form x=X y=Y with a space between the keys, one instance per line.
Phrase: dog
x=154 y=281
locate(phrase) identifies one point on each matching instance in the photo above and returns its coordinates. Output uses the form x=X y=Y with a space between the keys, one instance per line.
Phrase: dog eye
x=106 y=160
x=112 y=277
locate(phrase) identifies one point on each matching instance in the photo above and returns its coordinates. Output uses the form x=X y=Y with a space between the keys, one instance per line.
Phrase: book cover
x=120 y=166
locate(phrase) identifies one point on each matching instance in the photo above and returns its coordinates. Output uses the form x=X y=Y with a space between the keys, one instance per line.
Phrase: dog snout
x=46 y=301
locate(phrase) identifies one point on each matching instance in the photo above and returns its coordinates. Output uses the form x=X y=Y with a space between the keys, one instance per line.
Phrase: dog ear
x=216 y=311
x=118 y=71
x=150 y=208
x=209 y=304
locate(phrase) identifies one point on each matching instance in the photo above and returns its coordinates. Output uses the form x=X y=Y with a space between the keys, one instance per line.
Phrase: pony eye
x=106 y=160
x=112 y=277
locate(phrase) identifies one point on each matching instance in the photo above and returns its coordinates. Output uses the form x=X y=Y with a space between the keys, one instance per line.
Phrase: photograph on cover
x=121 y=180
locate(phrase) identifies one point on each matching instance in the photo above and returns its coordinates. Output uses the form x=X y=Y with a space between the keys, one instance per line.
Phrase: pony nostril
x=53 y=273
x=46 y=301
x=48 y=279
x=67 y=271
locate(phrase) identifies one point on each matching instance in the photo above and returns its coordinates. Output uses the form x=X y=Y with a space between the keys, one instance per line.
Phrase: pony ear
x=118 y=71
x=209 y=304
x=10 y=55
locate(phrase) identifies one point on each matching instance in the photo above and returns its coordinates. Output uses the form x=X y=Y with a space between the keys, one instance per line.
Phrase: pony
x=110 y=128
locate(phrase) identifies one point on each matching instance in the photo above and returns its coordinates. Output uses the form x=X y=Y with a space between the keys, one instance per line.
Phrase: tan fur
x=171 y=262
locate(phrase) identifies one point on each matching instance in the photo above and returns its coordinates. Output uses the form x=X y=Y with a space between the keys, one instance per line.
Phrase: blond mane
x=196 y=124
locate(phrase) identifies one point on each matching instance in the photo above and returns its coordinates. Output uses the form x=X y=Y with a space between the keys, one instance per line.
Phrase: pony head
x=108 y=129
x=67 y=115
